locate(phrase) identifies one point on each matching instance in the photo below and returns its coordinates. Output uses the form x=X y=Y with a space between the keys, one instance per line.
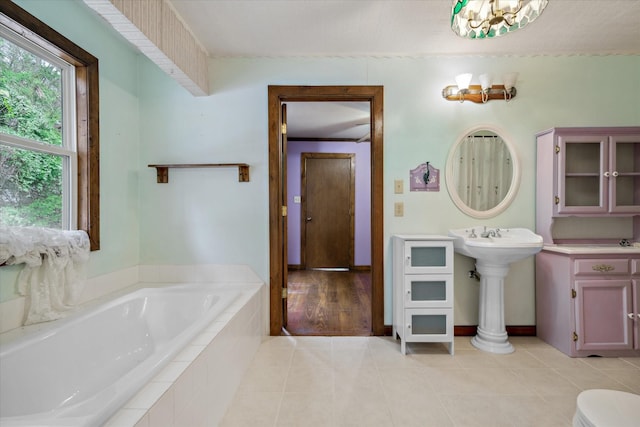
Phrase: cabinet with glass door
x=596 y=171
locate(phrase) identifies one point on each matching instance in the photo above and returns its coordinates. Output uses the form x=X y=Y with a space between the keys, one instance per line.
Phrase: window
x=49 y=136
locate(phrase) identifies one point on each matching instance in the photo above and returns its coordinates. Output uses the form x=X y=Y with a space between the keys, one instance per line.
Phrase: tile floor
x=365 y=381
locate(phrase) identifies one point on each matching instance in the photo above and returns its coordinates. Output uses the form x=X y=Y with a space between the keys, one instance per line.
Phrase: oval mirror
x=482 y=172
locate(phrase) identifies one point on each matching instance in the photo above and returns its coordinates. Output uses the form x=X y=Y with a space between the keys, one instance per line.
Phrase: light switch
x=296 y=199
x=398 y=186
x=398 y=209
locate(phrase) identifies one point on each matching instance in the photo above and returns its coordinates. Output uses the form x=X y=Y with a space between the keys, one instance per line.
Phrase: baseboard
x=469 y=331
x=360 y=268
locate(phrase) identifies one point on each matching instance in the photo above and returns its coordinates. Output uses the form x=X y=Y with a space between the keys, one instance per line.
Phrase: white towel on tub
x=51 y=278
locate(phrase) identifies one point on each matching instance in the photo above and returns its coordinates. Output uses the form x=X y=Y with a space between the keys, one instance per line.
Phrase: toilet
x=607 y=408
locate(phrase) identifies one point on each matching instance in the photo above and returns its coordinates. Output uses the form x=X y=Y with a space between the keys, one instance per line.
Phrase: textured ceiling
x=363 y=28
x=393 y=28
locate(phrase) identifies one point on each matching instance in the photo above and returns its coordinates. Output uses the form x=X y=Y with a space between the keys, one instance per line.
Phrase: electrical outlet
x=398 y=186
x=398 y=209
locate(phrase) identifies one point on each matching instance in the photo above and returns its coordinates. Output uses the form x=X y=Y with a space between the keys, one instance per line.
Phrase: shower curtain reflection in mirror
x=485 y=170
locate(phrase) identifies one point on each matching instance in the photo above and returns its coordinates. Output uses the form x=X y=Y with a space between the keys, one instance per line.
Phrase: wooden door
x=328 y=186
x=283 y=190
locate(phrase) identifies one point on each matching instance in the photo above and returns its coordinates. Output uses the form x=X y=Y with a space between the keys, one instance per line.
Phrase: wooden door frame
x=281 y=94
x=305 y=197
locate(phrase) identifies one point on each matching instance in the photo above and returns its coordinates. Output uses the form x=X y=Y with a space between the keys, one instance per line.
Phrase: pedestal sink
x=494 y=251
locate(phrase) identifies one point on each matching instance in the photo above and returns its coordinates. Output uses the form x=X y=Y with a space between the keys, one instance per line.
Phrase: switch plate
x=398 y=186
x=398 y=209
x=297 y=199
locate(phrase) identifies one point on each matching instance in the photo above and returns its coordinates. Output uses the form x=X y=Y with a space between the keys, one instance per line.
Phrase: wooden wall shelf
x=163 y=170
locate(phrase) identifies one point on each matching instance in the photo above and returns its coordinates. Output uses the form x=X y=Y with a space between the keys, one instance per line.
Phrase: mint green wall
x=206 y=215
x=119 y=134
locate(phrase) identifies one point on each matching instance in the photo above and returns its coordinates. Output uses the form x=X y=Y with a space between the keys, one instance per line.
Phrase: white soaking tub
x=80 y=370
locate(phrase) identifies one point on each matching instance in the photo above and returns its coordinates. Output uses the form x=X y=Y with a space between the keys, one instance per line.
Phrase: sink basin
x=494 y=250
x=513 y=244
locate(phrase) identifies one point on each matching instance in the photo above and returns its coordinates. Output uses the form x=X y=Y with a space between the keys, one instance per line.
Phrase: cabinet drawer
x=428 y=290
x=428 y=324
x=601 y=266
x=428 y=257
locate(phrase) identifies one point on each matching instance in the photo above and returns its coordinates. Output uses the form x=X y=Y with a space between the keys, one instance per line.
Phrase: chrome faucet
x=490 y=233
x=473 y=234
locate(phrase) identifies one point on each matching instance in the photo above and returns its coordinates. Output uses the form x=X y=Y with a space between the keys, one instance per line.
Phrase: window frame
x=87 y=110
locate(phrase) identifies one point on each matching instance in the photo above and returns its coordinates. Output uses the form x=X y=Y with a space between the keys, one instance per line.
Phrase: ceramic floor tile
x=628 y=377
x=591 y=378
x=474 y=358
x=437 y=360
x=553 y=358
x=355 y=358
x=463 y=343
x=512 y=411
x=398 y=381
x=635 y=361
x=362 y=407
x=546 y=382
x=312 y=356
x=262 y=377
x=518 y=359
x=252 y=409
x=608 y=363
x=366 y=382
x=306 y=409
x=309 y=379
x=417 y=409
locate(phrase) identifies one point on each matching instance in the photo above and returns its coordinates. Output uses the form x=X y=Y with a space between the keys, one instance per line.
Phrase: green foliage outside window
x=31 y=108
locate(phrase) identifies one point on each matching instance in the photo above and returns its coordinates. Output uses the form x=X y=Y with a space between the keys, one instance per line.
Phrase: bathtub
x=81 y=370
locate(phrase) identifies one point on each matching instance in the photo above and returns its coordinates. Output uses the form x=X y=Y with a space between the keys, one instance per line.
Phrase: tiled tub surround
x=196 y=386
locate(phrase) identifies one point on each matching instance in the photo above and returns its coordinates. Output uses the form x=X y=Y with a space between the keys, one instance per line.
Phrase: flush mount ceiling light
x=479 y=19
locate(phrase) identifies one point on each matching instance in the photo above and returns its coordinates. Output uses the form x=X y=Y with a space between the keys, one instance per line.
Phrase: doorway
x=278 y=95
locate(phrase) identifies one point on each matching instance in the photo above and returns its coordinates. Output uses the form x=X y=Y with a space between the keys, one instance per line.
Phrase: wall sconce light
x=482 y=93
x=462 y=82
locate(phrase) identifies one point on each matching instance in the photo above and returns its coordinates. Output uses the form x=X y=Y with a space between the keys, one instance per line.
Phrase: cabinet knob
x=630 y=316
x=607 y=174
x=615 y=173
x=409 y=326
x=408 y=291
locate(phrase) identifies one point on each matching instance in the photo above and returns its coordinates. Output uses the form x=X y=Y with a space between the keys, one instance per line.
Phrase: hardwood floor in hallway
x=329 y=303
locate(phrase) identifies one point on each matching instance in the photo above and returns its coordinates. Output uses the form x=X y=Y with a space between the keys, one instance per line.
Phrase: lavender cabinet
x=589 y=304
x=589 y=171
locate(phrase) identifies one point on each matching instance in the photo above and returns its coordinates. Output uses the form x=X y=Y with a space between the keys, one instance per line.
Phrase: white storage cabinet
x=423 y=289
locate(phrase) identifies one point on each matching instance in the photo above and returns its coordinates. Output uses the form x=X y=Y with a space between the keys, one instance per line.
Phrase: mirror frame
x=515 y=181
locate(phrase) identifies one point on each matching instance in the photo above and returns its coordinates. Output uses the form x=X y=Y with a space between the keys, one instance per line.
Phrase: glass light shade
x=485 y=81
x=510 y=80
x=479 y=19
x=463 y=80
